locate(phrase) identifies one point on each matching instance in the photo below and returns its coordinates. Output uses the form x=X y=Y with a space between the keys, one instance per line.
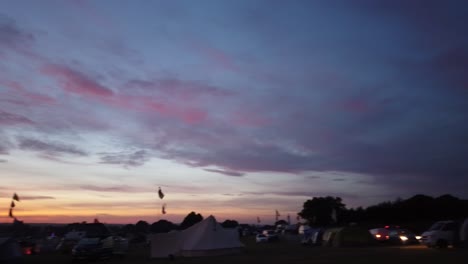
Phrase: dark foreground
x=284 y=252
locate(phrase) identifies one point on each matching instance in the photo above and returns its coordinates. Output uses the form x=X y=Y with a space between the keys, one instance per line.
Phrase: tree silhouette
x=230 y=224
x=191 y=219
x=281 y=222
x=142 y=227
x=318 y=211
x=162 y=226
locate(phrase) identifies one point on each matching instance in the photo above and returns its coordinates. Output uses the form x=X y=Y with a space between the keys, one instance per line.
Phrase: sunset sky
x=235 y=108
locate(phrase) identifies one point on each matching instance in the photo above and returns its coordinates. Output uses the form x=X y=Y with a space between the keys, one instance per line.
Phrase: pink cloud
x=180 y=89
x=76 y=82
x=26 y=96
x=188 y=114
x=13 y=119
x=249 y=119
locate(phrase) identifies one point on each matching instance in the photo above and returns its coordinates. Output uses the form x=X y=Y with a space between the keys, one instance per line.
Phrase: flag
x=258 y=220
x=164 y=209
x=160 y=193
x=11 y=213
x=277 y=213
x=15 y=197
x=12 y=204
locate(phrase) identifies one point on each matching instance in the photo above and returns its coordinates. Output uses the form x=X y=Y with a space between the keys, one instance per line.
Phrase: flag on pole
x=160 y=193
x=277 y=215
x=164 y=209
x=11 y=213
x=12 y=204
x=258 y=220
x=15 y=197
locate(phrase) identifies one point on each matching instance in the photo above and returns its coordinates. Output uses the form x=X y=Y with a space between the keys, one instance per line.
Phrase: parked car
x=394 y=235
x=93 y=248
x=120 y=246
x=441 y=234
x=271 y=235
x=260 y=238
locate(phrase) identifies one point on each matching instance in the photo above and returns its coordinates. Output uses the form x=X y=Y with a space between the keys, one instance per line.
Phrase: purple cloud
x=119 y=188
x=13 y=38
x=132 y=159
x=76 y=82
x=13 y=119
x=52 y=148
x=227 y=172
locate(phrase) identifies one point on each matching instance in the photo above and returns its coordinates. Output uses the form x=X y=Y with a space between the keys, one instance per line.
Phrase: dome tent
x=206 y=238
x=349 y=236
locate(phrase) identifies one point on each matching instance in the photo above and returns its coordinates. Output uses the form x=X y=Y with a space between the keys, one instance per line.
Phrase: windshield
x=436 y=226
x=89 y=241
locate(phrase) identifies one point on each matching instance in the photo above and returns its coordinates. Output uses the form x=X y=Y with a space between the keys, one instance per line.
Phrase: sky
x=234 y=108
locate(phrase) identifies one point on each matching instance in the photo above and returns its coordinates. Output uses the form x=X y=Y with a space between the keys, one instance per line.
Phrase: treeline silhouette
x=416 y=213
x=418 y=207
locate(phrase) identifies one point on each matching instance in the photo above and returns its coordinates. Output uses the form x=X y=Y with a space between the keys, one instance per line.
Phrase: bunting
x=13 y=205
x=160 y=193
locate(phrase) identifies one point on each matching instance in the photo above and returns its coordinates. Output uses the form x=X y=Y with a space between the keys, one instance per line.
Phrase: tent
x=206 y=238
x=350 y=236
x=464 y=232
x=10 y=250
x=165 y=244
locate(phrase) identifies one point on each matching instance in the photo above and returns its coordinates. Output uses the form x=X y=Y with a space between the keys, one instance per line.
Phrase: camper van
x=441 y=234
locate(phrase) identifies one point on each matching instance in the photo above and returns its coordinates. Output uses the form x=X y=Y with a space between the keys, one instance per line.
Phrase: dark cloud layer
x=369 y=87
x=225 y=172
x=126 y=159
x=49 y=147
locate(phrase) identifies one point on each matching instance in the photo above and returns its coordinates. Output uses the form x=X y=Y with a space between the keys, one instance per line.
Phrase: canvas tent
x=10 y=251
x=205 y=238
x=350 y=236
x=464 y=232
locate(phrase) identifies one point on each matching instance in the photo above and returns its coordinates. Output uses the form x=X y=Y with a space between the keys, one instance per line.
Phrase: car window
x=436 y=226
x=89 y=241
x=449 y=226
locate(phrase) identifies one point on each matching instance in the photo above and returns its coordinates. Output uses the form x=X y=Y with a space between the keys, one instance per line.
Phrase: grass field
x=285 y=252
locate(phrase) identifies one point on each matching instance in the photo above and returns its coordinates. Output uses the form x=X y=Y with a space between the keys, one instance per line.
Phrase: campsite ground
x=284 y=251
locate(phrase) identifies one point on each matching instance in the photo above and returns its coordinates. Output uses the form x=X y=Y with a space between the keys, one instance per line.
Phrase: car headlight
x=418 y=237
x=403 y=238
